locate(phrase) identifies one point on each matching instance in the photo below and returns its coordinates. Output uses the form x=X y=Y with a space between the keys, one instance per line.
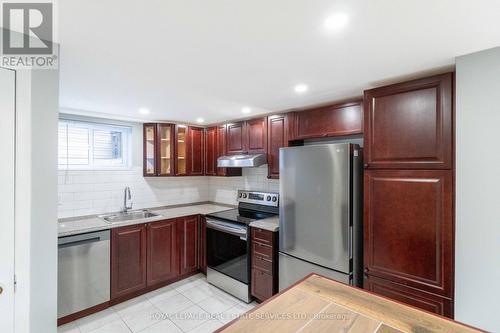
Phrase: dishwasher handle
x=81 y=239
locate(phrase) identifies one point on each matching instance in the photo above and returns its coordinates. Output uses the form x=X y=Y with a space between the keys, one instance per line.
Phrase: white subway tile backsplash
x=74 y=188
x=97 y=192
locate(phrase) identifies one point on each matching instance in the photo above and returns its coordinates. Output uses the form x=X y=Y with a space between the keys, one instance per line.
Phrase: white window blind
x=86 y=145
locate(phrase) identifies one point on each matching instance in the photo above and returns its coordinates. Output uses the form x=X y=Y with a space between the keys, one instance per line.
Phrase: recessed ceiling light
x=200 y=120
x=144 y=111
x=336 y=22
x=301 y=88
x=246 y=109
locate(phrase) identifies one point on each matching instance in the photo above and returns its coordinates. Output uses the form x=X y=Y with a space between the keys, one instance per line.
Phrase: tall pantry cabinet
x=408 y=193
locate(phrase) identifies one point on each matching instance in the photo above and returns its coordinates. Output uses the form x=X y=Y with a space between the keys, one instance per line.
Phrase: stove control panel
x=259 y=198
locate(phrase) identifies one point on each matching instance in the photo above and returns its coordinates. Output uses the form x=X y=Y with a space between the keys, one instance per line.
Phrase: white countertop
x=75 y=226
x=271 y=223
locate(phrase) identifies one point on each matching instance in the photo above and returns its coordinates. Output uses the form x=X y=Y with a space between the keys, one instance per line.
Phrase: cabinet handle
x=366 y=165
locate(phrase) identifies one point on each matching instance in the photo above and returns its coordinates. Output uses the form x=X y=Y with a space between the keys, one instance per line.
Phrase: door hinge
x=15 y=282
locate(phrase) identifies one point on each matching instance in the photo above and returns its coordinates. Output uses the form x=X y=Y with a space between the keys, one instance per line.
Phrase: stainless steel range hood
x=241 y=161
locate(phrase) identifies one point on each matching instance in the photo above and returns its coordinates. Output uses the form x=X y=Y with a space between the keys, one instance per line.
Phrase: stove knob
x=240 y=195
x=268 y=198
x=275 y=199
x=244 y=195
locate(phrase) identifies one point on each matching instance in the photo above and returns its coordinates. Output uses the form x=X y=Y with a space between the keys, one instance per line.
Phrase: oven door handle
x=240 y=232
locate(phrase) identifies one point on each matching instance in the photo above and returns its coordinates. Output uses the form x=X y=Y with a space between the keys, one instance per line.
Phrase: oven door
x=228 y=249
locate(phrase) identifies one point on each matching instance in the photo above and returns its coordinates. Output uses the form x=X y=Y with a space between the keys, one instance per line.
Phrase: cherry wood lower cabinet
x=188 y=238
x=202 y=250
x=408 y=228
x=147 y=256
x=411 y=296
x=264 y=277
x=163 y=257
x=408 y=234
x=128 y=260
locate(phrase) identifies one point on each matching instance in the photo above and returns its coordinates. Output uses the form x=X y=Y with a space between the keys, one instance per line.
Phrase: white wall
x=95 y=192
x=477 y=272
x=36 y=199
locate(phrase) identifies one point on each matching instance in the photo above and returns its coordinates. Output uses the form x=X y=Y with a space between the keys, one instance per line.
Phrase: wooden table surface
x=318 y=304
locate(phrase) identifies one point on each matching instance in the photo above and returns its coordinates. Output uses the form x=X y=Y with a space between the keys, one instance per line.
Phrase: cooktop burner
x=240 y=215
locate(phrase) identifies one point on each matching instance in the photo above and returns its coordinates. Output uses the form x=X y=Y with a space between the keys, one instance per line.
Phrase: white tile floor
x=190 y=305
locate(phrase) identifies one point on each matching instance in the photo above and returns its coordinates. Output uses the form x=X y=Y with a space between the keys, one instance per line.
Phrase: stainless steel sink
x=128 y=216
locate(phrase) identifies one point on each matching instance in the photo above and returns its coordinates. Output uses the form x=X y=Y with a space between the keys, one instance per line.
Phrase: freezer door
x=292 y=269
x=314 y=204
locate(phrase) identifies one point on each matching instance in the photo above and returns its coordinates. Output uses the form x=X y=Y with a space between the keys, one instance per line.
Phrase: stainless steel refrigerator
x=320 y=213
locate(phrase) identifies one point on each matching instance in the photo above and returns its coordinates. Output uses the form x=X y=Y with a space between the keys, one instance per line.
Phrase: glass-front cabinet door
x=165 y=150
x=149 y=167
x=181 y=149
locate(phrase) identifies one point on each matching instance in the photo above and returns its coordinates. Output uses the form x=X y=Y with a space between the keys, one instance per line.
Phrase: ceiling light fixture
x=246 y=110
x=144 y=111
x=301 y=88
x=336 y=22
x=200 y=120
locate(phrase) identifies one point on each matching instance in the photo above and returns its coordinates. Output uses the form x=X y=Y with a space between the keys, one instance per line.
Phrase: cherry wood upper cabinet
x=211 y=151
x=128 y=260
x=409 y=125
x=221 y=151
x=181 y=150
x=165 y=150
x=277 y=138
x=163 y=258
x=236 y=138
x=256 y=136
x=188 y=237
x=150 y=142
x=439 y=305
x=221 y=148
x=328 y=121
x=408 y=228
x=158 y=150
x=195 y=150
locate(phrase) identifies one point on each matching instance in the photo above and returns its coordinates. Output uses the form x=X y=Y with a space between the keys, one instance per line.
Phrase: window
x=93 y=146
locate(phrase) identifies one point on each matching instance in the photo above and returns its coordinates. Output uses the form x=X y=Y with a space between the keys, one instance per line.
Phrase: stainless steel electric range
x=228 y=241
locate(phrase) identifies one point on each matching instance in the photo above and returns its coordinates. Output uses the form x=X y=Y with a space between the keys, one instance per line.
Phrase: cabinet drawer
x=263 y=264
x=262 y=284
x=262 y=236
x=264 y=251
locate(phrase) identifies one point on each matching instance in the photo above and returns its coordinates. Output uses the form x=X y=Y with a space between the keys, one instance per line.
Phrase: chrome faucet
x=127 y=197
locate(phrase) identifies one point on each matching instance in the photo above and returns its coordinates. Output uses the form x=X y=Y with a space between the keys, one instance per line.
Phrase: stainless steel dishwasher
x=83 y=271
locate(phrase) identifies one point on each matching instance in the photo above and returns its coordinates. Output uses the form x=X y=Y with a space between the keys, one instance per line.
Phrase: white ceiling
x=186 y=59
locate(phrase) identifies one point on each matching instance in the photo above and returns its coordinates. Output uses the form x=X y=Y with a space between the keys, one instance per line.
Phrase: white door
x=7 y=148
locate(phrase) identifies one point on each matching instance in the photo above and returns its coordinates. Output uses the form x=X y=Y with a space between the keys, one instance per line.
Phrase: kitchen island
x=318 y=304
